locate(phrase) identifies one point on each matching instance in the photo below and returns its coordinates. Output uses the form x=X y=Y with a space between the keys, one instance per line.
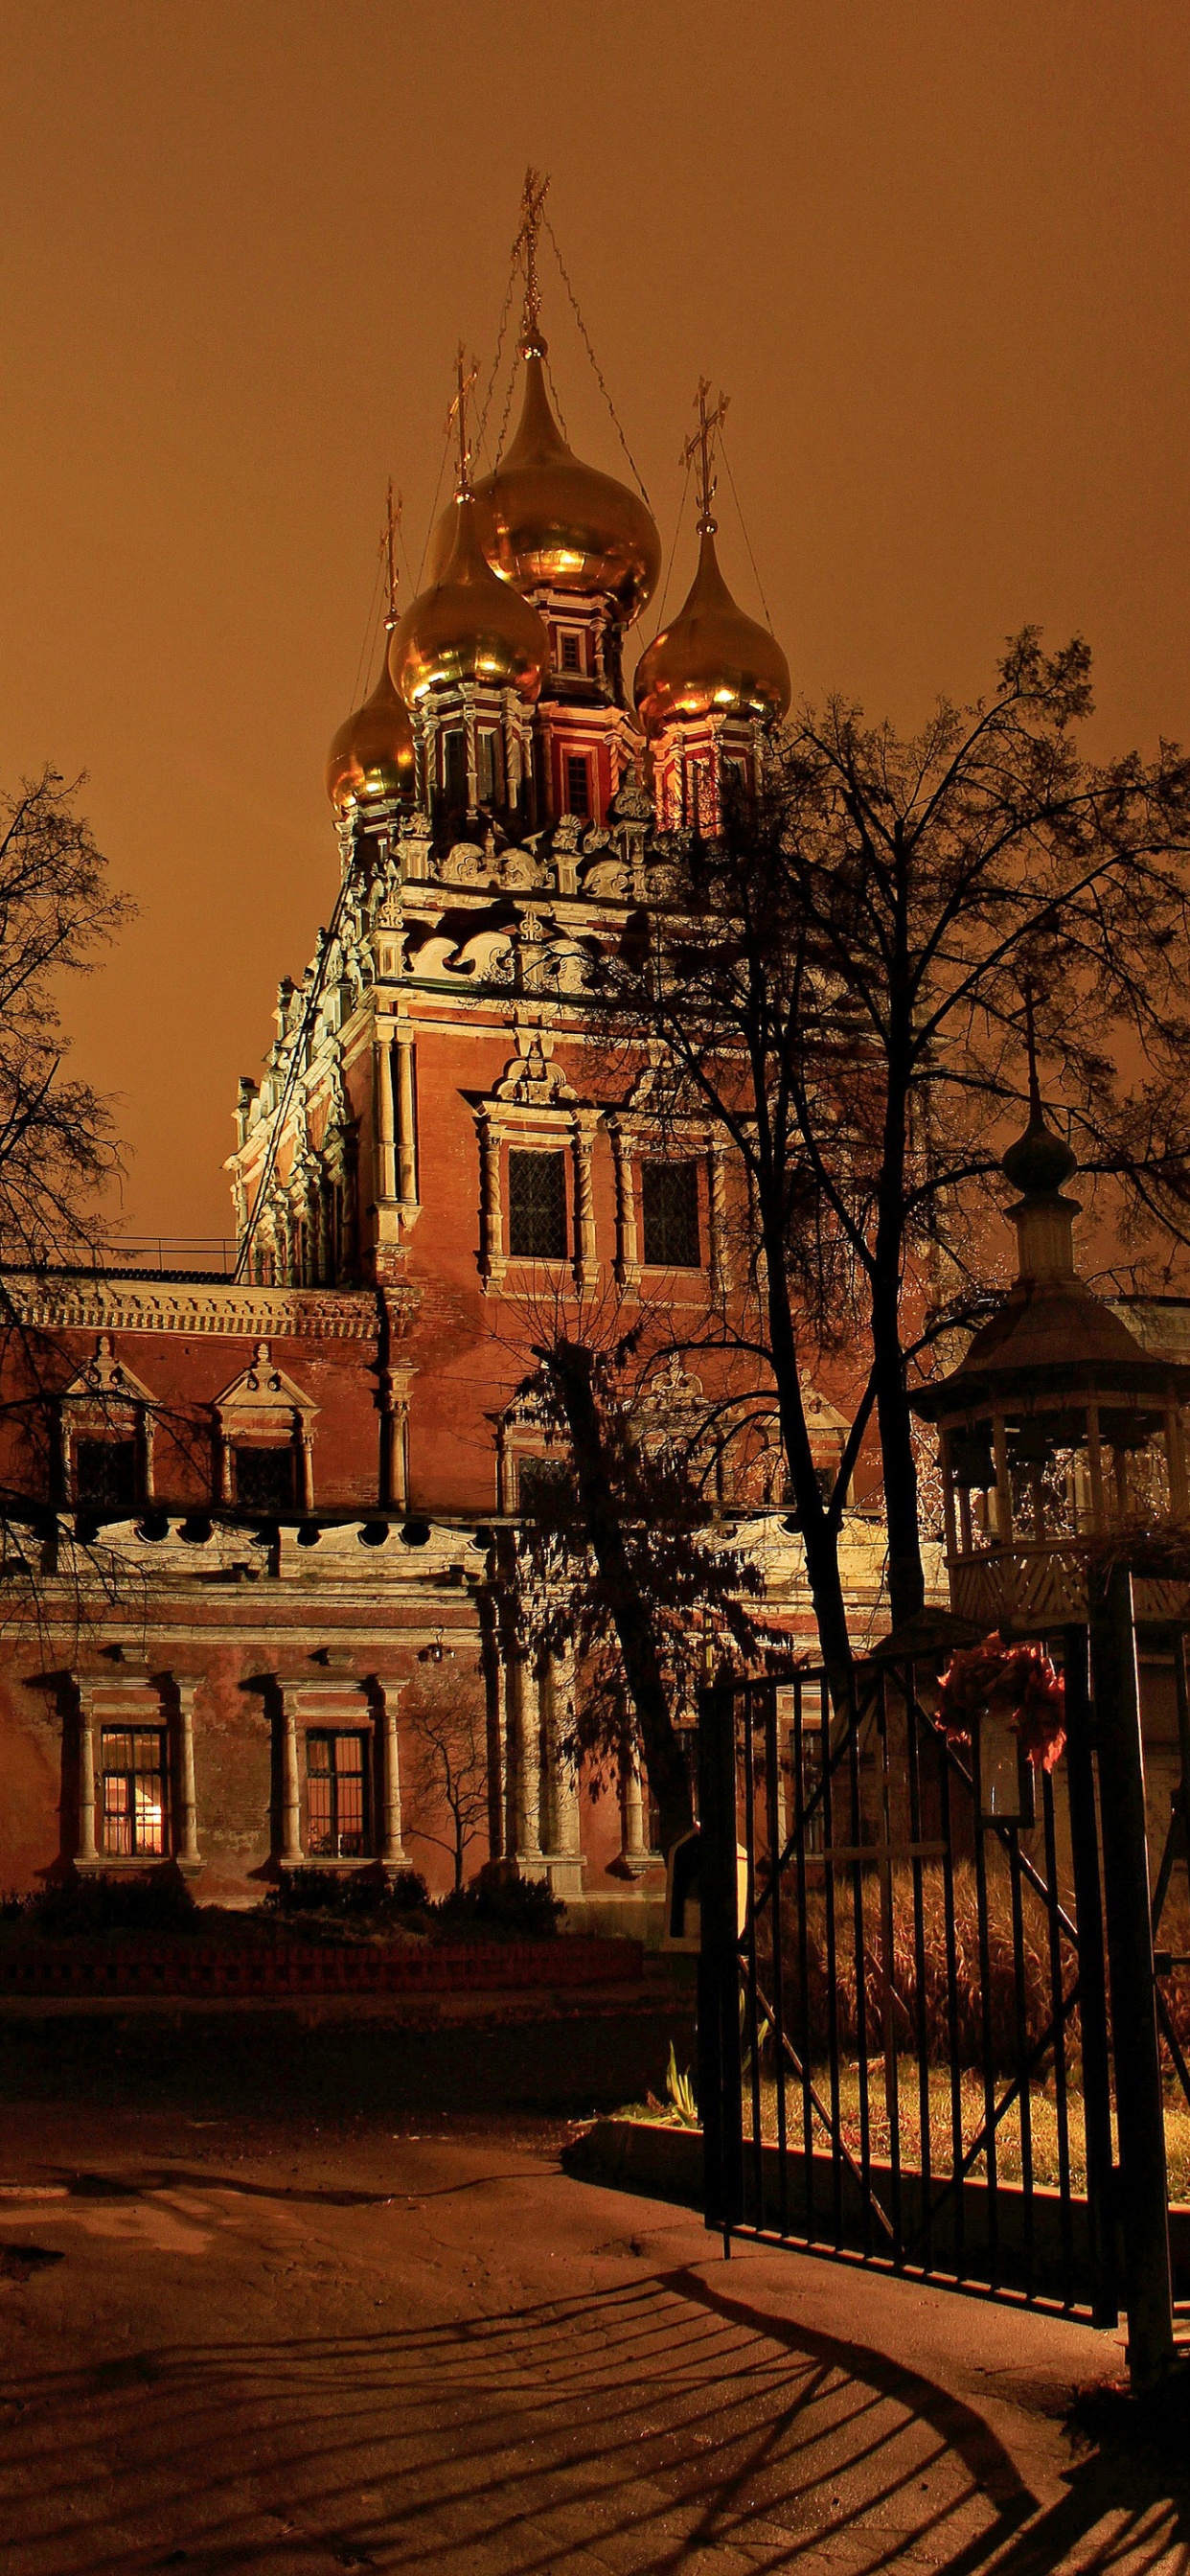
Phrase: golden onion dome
x=549 y=522
x=371 y=757
x=710 y=659
x=468 y=625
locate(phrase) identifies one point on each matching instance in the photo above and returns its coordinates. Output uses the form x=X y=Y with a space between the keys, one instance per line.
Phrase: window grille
x=105 y=1475
x=336 y=1775
x=571 y=653
x=669 y=1207
x=578 y=783
x=487 y=763
x=454 y=767
x=537 y=1206
x=135 y=1782
x=544 y=1486
x=264 y=1479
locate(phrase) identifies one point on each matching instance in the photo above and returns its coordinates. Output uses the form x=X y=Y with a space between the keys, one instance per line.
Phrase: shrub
x=146 y=1901
x=351 y=1895
x=511 y=1908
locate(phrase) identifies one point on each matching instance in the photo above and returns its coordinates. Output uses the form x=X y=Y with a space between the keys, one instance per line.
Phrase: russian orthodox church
x=311 y=1473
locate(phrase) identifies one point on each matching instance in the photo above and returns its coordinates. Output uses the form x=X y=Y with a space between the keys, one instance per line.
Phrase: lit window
x=537 y=1206
x=337 y=1822
x=578 y=784
x=669 y=1206
x=264 y=1479
x=105 y=1475
x=572 y=659
x=134 y=1773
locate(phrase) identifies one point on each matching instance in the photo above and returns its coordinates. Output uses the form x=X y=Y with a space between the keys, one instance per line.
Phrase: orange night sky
x=937 y=255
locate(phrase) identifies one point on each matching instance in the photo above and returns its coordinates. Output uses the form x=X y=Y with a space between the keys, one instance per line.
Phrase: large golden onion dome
x=468 y=625
x=371 y=756
x=548 y=522
x=710 y=659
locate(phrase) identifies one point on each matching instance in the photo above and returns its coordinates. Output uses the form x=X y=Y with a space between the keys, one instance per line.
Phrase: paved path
x=253 y=2349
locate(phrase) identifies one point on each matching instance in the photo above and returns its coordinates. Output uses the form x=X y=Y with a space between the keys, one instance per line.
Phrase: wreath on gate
x=1022 y=1676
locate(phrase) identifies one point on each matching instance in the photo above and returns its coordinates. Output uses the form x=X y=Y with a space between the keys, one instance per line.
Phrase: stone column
x=186 y=1827
x=291 y=1790
x=491 y=1220
x=632 y=1811
x=564 y=1866
x=382 y=1094
x=307 y=1471
x=392 y=1848
x=717 y=1207
x=86 y=1773
x=585 y=1268
x=627 y=1259
x=406 y=1118
x=526 y=1717
x=225 y=1494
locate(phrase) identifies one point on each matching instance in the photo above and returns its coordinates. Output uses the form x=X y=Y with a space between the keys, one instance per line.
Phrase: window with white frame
x=337 y=1819
x=134 y=1779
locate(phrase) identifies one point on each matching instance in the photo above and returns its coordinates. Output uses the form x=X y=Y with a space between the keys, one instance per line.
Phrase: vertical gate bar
x=892 y=2090
x=953 y=2032
x=1021 y=2017
x=832 y=1951
x=1182 y=1686
x=772 y=1751
x=752 y=2021
x=803 y=1952
x=858 y=1934
x=1094 y=2065
x=1057 y=2014
x=719 y=1979
x=921 y=2031
x=1140 y=2105
x=987 y=2044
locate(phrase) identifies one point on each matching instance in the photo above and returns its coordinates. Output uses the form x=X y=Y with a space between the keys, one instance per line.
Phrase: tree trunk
x=819 y=1542
x=570 y=1366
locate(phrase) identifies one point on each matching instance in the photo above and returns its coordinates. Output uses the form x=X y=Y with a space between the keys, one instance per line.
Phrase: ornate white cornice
x=105 y=1303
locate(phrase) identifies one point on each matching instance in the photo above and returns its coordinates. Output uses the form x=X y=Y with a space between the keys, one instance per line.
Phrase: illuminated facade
x=315 y=1470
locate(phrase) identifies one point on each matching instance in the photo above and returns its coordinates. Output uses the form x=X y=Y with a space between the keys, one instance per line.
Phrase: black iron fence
x=905 y=2036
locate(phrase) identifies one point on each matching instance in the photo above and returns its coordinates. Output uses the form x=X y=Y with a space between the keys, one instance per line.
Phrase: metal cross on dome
x=702 y=446
x=391 y=525
x=524 y=248
x=456 y=417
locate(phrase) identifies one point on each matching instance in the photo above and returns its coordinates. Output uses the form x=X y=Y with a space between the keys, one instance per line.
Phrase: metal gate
x=904 y=2031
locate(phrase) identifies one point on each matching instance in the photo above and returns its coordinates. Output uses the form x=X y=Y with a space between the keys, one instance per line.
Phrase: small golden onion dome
x=711 y=659
x=371 y=756
x=468 y=625
x=549 y=522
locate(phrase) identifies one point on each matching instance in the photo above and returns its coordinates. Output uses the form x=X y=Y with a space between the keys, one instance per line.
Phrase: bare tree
x=623 y=1559
x=449 y=1774
x=837 y=981
x=58 y=1153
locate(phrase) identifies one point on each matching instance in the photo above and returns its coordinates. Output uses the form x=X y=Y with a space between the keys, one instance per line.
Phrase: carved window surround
x=636 y=1139
x=125 y=1695
x=263 y=1406
x=366 y=1707
x=107 y=1402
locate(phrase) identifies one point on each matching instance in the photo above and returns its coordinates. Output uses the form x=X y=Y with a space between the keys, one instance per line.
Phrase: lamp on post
x=1061 y=1439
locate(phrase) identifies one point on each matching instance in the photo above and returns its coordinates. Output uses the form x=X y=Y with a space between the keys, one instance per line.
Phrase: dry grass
x=897 y=2014
x=1043 y=2112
